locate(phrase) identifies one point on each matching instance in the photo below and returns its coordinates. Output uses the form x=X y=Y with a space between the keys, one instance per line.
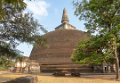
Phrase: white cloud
x=37 y=7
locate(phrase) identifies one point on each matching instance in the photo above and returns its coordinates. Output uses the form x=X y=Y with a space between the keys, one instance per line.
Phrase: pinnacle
x=65 y=18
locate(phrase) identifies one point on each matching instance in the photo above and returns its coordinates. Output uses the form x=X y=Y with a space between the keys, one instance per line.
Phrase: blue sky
x=49 y=14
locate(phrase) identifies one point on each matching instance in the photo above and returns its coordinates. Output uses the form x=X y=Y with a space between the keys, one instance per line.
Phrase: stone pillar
x=109 y=69
x=104 y=67
x=39 y=67
x=114 y=68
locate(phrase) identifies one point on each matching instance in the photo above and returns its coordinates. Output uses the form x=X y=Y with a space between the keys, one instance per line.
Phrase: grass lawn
x=52 y=79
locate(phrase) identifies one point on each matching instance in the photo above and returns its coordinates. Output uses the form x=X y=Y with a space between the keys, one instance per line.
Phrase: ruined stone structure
x=60 y=45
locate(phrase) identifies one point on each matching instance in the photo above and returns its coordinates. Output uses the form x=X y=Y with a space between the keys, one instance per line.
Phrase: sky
x=49 y=14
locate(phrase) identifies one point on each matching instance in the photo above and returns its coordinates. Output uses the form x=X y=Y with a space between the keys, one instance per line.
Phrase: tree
x=18 y=5
x=101 y=17
x=6 y=62
x=17 y=27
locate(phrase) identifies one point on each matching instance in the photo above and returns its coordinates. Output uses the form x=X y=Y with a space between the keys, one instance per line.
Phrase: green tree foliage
x=17 y=27
x=5 y=62
x=18 y=5
x=96 y=50
x=6 y=50
x=101 y=17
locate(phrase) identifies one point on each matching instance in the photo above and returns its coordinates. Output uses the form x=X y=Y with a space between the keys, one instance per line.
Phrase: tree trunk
x=119 y=54
x=117 y=62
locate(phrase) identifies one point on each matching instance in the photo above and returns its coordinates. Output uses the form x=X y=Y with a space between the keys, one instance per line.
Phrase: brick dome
x=60 y=45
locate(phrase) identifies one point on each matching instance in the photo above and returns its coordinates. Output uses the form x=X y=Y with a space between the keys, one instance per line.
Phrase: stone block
x=27 y=79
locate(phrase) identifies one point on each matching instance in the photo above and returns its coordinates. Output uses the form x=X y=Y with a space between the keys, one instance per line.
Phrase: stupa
x=60 y=44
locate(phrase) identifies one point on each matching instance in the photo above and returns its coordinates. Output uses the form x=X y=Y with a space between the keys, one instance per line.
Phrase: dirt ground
x=44 y=78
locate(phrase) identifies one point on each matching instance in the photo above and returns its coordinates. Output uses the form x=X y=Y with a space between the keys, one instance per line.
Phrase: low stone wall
x=27 y=79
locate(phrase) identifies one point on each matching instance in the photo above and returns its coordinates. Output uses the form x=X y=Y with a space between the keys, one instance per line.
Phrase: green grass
x=3 y=68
